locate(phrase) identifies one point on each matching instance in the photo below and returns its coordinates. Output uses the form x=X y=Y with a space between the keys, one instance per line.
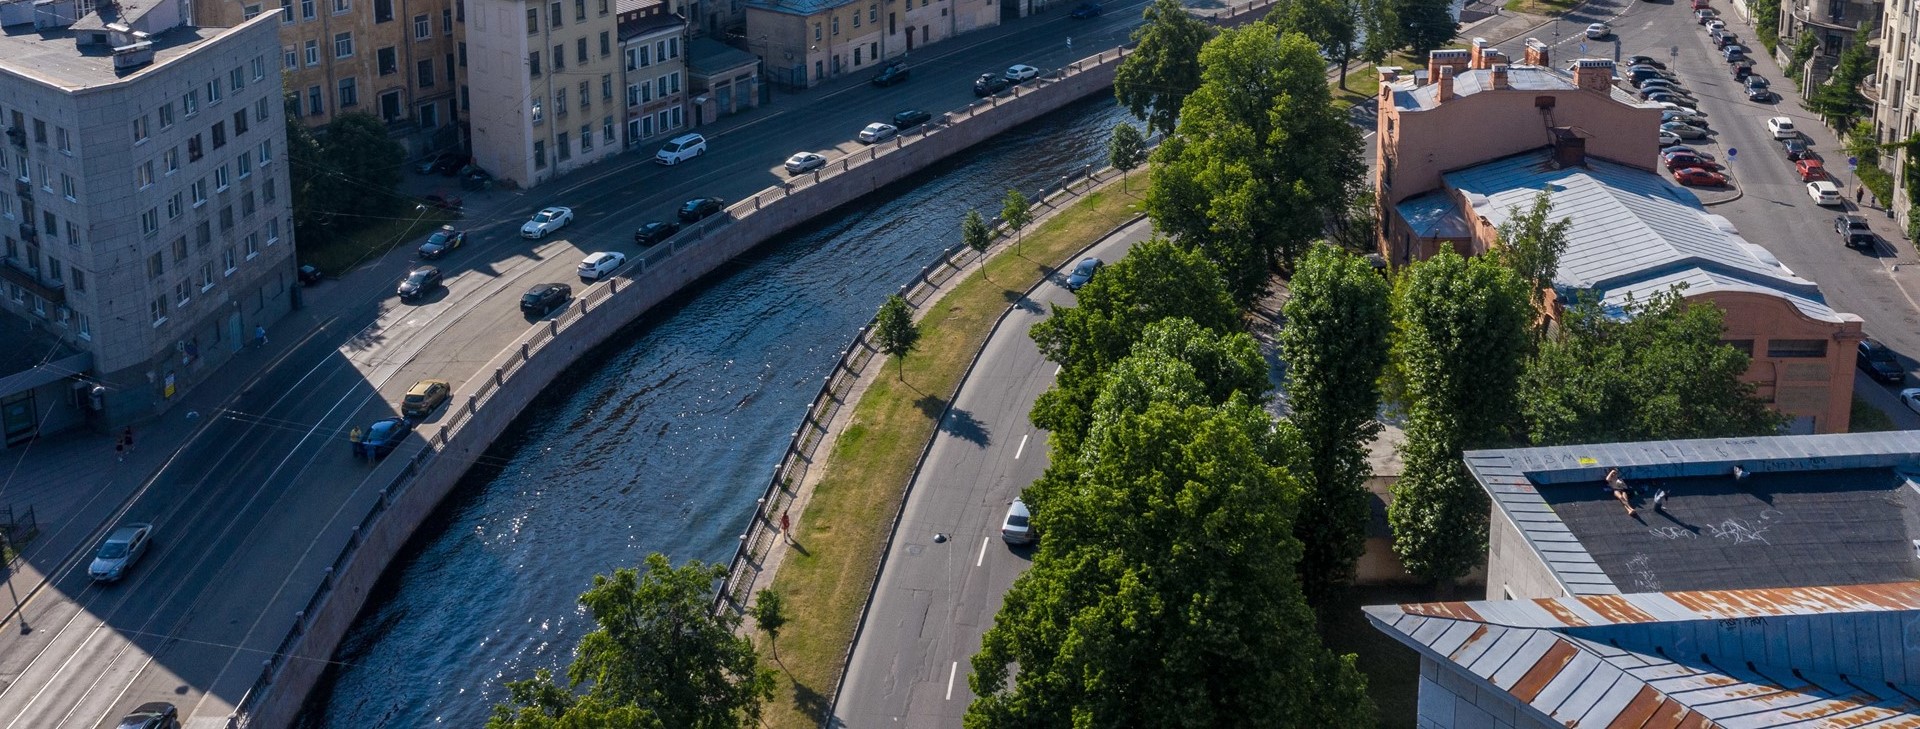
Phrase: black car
x=1853 y=231
x=542 y=299
x=1880 y=363
x=1086 y=10
x=1645 y=61
x=698 y=208
x=418 y=283
x=1761 y=95
x=442 y=240
x=384 y=435
x=1082 y=273
x=445 y=164
x=309 y=275
x=1742 y=71
x=1796 y=148
x=991 y=83
x=654 y=232
x=151 y=715
x=894 y=72
x=910 y=118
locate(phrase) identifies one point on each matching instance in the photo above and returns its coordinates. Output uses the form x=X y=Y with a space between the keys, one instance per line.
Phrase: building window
x=292 y=57
x=422 y=27
x=606 y=44
x=222 y=179
x=139 y=129
x=236 y=79
x=873 y=13
x=633 y=95
x=387 y=61
x=382 y=11
x=463 y=54
x=856 y=20
x=194 y=150
x=533 y=21
x=426 y=73
x=1796 y=348
x=533 y=64
x=259 y=67
x=579 y=10
x=244 y=163
x=316 y=104
x=560 y=103
x=606 y=87
x=559 y=57
x=67 y=188
x=79 y=280
x=206 y=277
x=561 y=149
x=390 y=106
x=429 y=116
x=219 y=134
x=586 y=95
x=266 y=191
x=306 y=9
x=176 y=204
x=343 y=45
x=262 y=108
x=836 y=25
x=232 y=262
x=446 y=21
x=143 y=175
x=286 y=11
x=349 y=94
x=203 y=235
x=538 y=114
x=158 y=309
x=313 y=53
x=253 y=245
x=606 y=130
x=553 y=15
x=341 y=6
x=539 y=154
x=273 y=231
x=580 y=51
x=180 y=249
x=190 y=103
x=200 y=192
x=239 y=123
x=586 y=138
x=450 y=69
x=266 y=153
x=150 y=222
x=603 y=7
x=816 y=30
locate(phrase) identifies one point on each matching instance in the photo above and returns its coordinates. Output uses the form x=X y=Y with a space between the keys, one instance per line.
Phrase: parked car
x=1911 y=398
x=1667 y=85
x=1696 y=177
x=1086 y=10
x=151 y=715
x=700 y=207
x=1017 y=527
x=1854 y=232
x=601 y=264
x=1782 y=128
x=1684 y=161
x=1726 y=39
x=1083 y=272
x=309 y=275
x=1704 y=15
x=442 y=240
x=1796 y=148
x=438 y=201
x=476 y=179
x=1021 y=73
x=1680 y=149
x=445 y=164
x=1714 y=24
x=680 y=149
x=1756 y=82
x=894 y=72
x=1809 y=170
x=123 y=547
x=990 y=83
x=1663 y=96
x=1599 y=30
x=545 y=222
x=1646 y=61
x=877 y=132
x=1742 y=70
x=1684 y=131
x=1879 y=362
x=384 y=435
x=653 y=232
x=802 y=162
x=425 y=397
x=418 y=283
x=1668 y=139
x=542 y=299
x=1683 y=118
x=1761 y=94
x=1825 y=193
x=1734 y=53
x=910 y=118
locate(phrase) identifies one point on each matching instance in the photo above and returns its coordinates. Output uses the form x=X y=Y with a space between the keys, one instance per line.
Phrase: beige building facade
x=653 y=46
x=805 y=42
x=541 y=82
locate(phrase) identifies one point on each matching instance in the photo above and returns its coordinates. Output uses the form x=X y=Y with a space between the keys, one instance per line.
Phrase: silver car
x=123 y=547
x=1017 y=528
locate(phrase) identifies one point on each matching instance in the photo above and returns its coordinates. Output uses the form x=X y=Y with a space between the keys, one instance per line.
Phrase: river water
x=660 y=441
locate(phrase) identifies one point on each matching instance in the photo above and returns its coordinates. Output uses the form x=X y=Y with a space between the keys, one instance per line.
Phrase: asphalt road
x=935 y=599
x=251 y=512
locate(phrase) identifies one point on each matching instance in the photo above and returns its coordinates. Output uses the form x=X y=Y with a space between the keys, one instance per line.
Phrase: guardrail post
x=553 y=325
x=499 y=377
x=756 y=202
x=472 y=407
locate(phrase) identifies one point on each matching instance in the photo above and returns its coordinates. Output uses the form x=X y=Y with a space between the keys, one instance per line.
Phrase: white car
x=680 y=149
x=1598 y=31
x=1017 y=528
x=546 y=221
x=123 y=547
x=1022 y=72
x=1668 y=139
x=1670 y=106
x=1825 y=193
x=599 y=265
x=878 y=132
x=803 y=162
x=1713 y=25
x=1782 y=128
x=1911 y=398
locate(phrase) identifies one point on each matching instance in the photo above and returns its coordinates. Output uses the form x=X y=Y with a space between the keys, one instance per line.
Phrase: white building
x=147 y=224
x=541 y=83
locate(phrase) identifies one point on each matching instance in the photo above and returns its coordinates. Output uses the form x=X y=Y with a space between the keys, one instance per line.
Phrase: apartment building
x=147 y=225
x=541 y=78
x=1891 y=89
x=805 y=42
x=653 y=46
x=1832 y=23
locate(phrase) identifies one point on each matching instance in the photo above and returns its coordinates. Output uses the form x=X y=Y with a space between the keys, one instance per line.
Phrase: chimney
x=1593 y=74
x=1493 y=57
x=1537 y=54
x=1500 y=77
x=1456 y=59
x=1569 y=150
x=1446 y=85
x=1477 y=60
x=1388 y=74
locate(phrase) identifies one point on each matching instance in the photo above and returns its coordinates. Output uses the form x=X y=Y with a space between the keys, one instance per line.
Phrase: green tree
x=1863 y=143
x=1261 y=160
x=1332 y=24
x=1531 y=243
x=365 y=165
x=975 y=233
x=1357 y=228
x=895 y=332
x=1155 y=281
x=1382 y=29
x=1804 y=47
x=1425 y=24
x=661 y=657
x=1461 y=337
x=1839 y=100
x=1656 y=371
x=1163 y=591
x=771 y=615
x=1334 y=342
x=1126 y=150
x=308 y=186
x=1153 y=81
x=1016 y=212
x=1766 y=23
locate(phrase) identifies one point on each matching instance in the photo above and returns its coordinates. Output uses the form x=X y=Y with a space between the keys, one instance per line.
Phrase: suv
x=1879 y=362
x=425 y=397
x=680 y=149
x=910 y=118
x=542 y=299
x=990 y=83
x=894 y=72
x=1853 y=231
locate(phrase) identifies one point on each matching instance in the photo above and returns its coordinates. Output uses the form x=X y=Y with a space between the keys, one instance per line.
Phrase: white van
x=681 y=149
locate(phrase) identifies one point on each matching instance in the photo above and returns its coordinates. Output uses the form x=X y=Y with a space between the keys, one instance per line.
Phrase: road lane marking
x=982 y=559
x=1056 y=370
x=1021 y=449
x=950 y=674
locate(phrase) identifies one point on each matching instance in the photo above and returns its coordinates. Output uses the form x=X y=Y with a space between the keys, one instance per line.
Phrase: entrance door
x=234 y=341
x=16 y=418
x=909 y=38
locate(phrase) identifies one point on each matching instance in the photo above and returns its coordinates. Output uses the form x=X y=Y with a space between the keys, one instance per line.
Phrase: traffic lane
x=1886 y=398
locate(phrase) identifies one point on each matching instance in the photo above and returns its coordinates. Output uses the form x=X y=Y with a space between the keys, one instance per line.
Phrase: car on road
x=1086 y=10
x=910 y=118
x=1683 y=118
x=1646 y=61
x=1911 y=398
x=439 y=201
x=151 y=715
x=545 y=222
x=1825 y=193
x=425 y=397
x=123 y=547
x=1809 y=170
x=653 y=232
x=418 y=283
x=1017 y=527
x=803 y=162
x=990 y=83
x=1742 y=70
x=601 y=264
x=1694 y=161
x=1796 y=148
x=309 y=275
x=1021 y=73
x=1782 y=128
x=1761 y=94
x=1697 y=177
x=384 y=435
x=1668 y=139
x=442 y=240
x=1715 y=24
x=894 y=72
x=1734 y=53
x=1599 y=30
x=693 y=211
x=1679 y=149
x=1854 y=232
x=680 y=149
x=1684 y=131
x=1083 y=272
x=1705 y=15
x=445 y=164
x=542 y=299
x=877 y=132
x=1879 y=362
x=1726 y=39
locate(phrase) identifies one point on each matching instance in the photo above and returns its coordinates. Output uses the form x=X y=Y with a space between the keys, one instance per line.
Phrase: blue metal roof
x=1433 y=215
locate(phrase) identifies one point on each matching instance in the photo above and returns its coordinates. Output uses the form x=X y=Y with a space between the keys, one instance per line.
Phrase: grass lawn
x=1866 y=418
x=339 y=254
x=1541 y=7
x=1363 y=79
x=825 y=581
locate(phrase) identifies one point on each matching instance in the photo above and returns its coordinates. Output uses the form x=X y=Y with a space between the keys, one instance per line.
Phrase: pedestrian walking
x=786 y=523
x=353 y=440
x=126 y=436
x=259 y=336
x=1858 y=193
x=1069 y=43
x=119 y=451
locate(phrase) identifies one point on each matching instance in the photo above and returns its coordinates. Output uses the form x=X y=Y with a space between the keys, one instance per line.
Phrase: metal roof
x=1812 y=658
x=1434 y=215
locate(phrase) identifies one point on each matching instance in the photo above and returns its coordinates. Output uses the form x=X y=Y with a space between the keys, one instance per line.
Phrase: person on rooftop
x=1622 y=492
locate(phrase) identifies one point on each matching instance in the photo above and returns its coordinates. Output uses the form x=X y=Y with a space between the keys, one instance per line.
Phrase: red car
x=1810 y=170
x=1696 y=177
x=1690 y=161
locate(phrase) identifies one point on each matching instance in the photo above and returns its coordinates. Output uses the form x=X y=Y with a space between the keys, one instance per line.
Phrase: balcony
x=1825 y=20
x=12 y=273
x=1870 y=89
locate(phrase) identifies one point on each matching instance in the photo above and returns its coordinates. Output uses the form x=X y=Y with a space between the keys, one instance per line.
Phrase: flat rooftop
x=53 y=56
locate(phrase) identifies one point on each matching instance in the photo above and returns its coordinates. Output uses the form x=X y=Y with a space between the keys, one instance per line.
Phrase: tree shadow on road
x=961 y=424
x=930 y=405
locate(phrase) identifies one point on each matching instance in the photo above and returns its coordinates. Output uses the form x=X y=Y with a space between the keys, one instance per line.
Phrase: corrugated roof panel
x=1562 y=613
x=1616 y=609
x=1431 y=629
x=1458 y=631
x=1612 y=703
x=1563 y=683
x=1543 y=671
x=1500 y=652
x=1639 y=711
x=1525 y=658
x=1577 y=705
x=1454 y=610
x=1477 y=644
